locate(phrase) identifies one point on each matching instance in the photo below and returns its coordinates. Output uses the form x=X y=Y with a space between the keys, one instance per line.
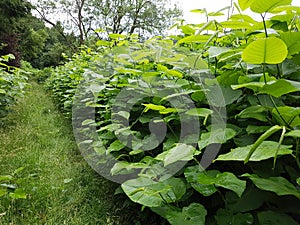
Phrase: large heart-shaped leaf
x=281 y=87
x=230 y=181
x=279 y=185
x=225 y=180
x=292 y=40
x=181 y=152
x=264 y=151
x=154 y=194
x=244 y=4
x=289 y=114
x=191 y=174
x=221 y=96
x=194 y=214
x=269 y=50
x=260 y=6
x=218 y=136
x=256 y=112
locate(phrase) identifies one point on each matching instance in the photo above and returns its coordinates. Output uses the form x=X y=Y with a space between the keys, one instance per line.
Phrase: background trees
x=11 y=11
x=62 y=26
x=85 y=17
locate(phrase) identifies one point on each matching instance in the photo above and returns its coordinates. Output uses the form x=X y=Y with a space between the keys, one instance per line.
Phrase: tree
x=113 y=16
x=43 y=46
x=10 y=13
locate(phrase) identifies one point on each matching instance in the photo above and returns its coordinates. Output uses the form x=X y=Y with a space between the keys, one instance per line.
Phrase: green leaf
x=255 y=86
x=256 y=112
x=202 y=112
x=215 y=14
x=115 y=146
x=235 y=25
x=275 y=218
x=194 y=39
x=225 y=180
x=124 y=114
x=127 y=71
x=192 y=176
x=218 y=136
x=217 y=51
x=279 y=185
x=281 y=87
x=123 y=167
x=261 y=139
x=194 y=214
x=294 y=133
x=2 y=91
x=251 y=199
x=264 y=151
x=201 y=11
x=187 y=30
x=174 y=73
x=153 y=107
x=17 y=194
x=230 y=181
x=154 y=194
x=222 y=96
x=252 y=129
x=267 y=5
x=292 y=40
x=243 y=17
x=225 y=217
x=195 y=62
x=116 y=36
x=269 y=50
x=181 y=152
x=244 y=4
x=289 y=114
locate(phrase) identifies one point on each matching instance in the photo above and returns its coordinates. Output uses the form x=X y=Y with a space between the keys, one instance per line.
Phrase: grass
x=39 y=150
x=61 y=188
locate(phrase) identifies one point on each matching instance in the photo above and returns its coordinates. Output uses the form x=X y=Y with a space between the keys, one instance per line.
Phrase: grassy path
x=61 y=188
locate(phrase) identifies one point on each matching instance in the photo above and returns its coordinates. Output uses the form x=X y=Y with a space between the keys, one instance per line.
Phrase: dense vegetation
x=200 y=127
x=13 y=81
x=236 y=81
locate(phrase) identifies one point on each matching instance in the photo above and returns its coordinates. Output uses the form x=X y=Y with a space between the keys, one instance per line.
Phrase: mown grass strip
x=61 y=188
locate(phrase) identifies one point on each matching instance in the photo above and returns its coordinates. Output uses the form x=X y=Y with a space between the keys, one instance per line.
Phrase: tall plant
x=202 y=128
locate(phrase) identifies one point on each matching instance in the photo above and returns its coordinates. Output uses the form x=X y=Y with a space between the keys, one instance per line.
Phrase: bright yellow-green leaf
x=162 y=68
x=154 y=107
x=194 y=39
x=215 y=14
x=175 y=73
x=269 y=50
x=262 y=6
x=116 y=36
x=198 y=11
x=244 y=4
x=292 y=40
x=235 y=24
